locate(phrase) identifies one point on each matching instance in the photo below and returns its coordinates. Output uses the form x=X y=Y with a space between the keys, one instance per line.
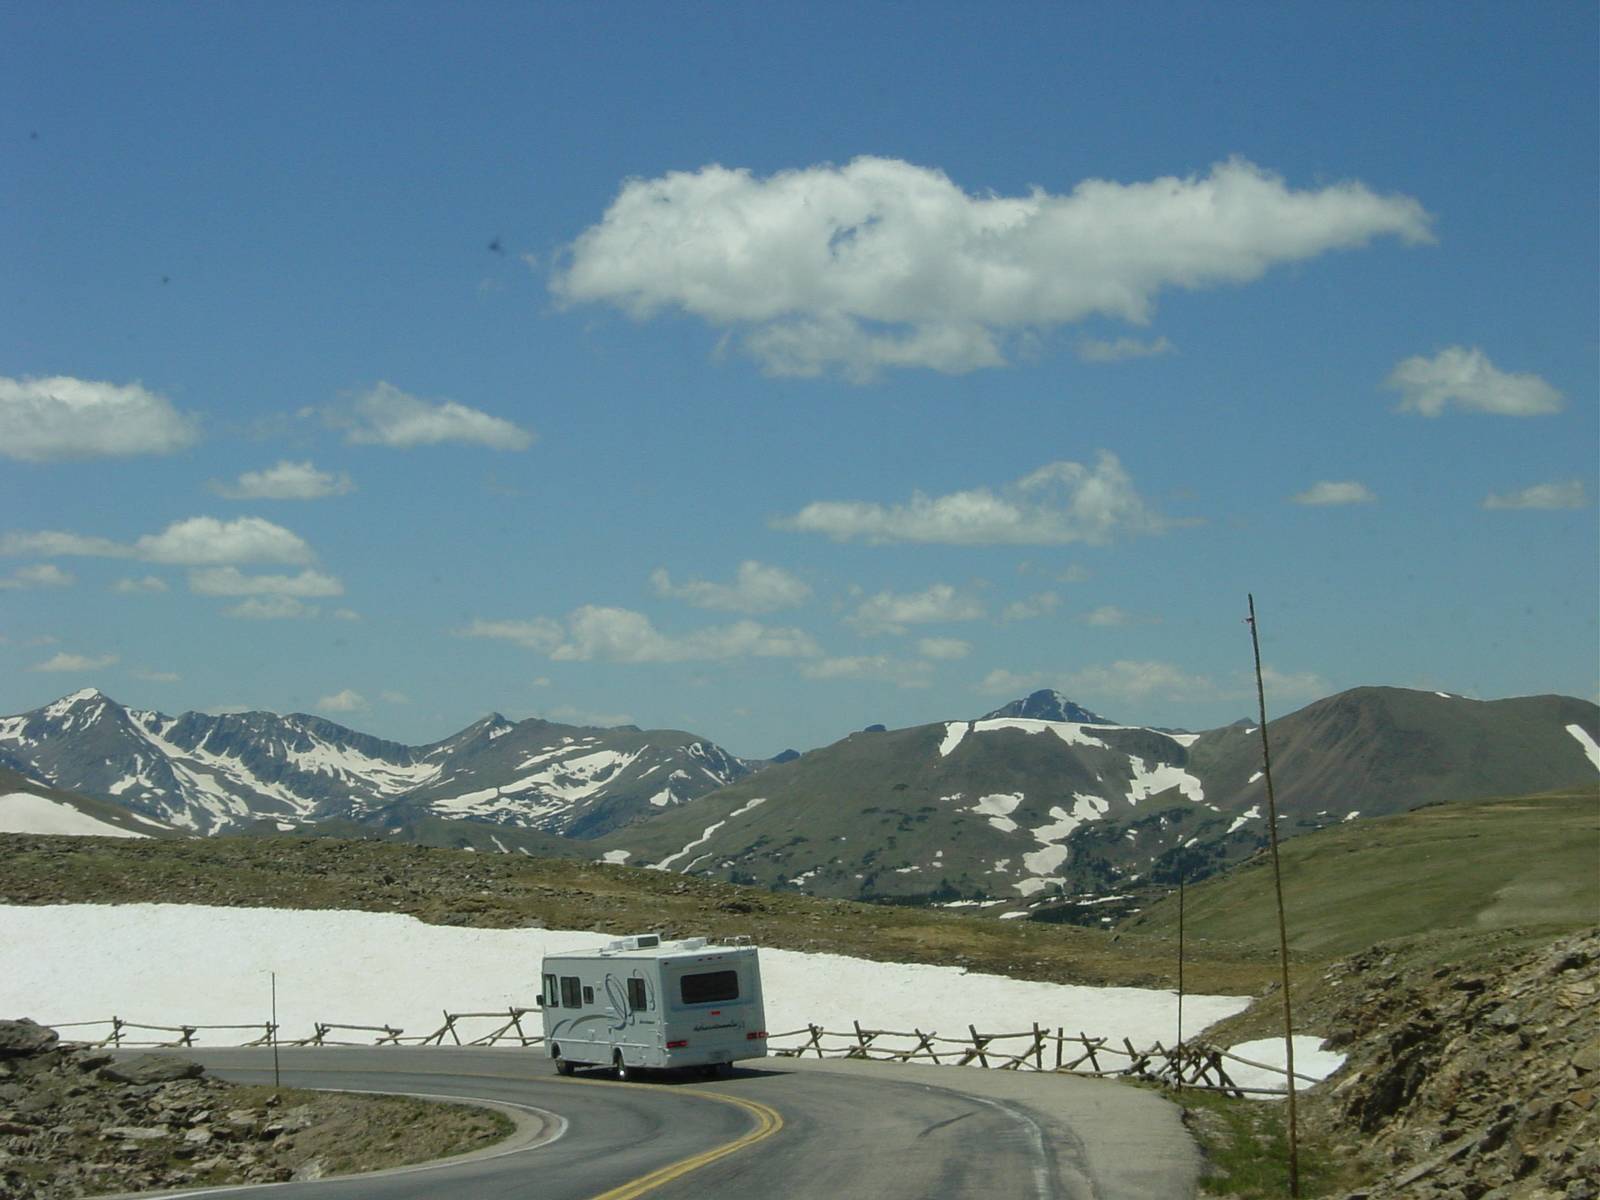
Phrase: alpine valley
x=1041 y=807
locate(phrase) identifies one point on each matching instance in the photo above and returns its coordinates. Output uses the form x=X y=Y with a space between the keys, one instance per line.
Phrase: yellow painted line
x=768 y=1122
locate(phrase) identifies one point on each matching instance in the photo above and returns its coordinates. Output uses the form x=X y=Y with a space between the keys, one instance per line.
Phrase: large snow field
x=172 y=964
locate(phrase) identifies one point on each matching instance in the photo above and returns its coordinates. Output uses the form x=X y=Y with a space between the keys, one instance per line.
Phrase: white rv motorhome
x=641 y=1002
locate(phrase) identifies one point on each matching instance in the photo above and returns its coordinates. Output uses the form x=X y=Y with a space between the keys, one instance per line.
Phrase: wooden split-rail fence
x=1041 y=1048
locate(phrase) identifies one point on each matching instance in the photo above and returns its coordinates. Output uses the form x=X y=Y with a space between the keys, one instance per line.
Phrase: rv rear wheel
x=619 y=1068
x=563 y=1067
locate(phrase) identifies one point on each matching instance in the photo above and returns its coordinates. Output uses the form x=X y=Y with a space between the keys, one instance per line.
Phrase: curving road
x=783 y=1129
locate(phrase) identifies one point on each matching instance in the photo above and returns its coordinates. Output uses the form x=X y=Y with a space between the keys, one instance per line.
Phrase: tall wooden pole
x=1180 y=959
x=1283 y=930
x=277 y=1080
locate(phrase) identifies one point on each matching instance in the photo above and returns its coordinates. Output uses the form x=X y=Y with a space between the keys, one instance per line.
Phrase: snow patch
x=998 y=808
x=24 y=812
x=1310 y=1059
x=1590 y=748
x=1253 y=813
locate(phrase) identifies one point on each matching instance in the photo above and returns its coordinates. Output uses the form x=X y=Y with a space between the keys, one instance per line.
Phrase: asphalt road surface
x=777 y=1129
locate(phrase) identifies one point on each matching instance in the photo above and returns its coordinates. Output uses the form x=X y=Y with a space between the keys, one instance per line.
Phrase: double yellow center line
x=768 y=1122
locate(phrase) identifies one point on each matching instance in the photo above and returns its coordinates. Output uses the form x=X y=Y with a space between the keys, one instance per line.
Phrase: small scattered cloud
x=888 y=612
x=1106 y=616
x=1467 y=379
x=158 y=676
x=1033 y=607
x=76 y=662
x=60 y=418
x=1327 y=493
x=285 y=481
x=230 y=581
x=598 y=633
x=345 y=614
x=55 y=543
x=389 y=697
x=145 y=585
x=1291 y=685
x=194 y=542
x=44 y=575
x=757 y=588
x=1568 y=494
x=1096 y=350
x=1125 y=680
x=879 y=668
x=272 y=608
x=882 y=263
x=346 y=701
x=566 y=714
x=945 y=649
x=1001 y=682
x=1061 y=502
x=385 y=416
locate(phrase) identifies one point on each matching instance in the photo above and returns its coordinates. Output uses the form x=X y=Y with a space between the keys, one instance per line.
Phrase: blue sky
x=767 y=373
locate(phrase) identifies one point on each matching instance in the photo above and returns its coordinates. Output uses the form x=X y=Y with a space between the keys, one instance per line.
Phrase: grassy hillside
x=455 y=887
x=1530 y=864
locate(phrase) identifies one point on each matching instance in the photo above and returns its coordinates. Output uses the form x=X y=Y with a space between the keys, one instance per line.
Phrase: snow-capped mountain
x=212 y=774
x=1048 y=705
x=1016 y=808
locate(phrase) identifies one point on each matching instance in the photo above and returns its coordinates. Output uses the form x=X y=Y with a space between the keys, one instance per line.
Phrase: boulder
x=22 y=1038
x=151 y=1068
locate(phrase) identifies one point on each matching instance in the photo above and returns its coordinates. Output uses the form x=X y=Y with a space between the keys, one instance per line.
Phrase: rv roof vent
x=639 y=941
x=692 y=943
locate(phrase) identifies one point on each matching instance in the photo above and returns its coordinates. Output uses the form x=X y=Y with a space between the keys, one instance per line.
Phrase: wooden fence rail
x=1189 y=1064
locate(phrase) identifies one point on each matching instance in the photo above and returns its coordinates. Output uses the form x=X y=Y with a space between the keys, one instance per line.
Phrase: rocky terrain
x=78 y=1122
x=1478 y=1080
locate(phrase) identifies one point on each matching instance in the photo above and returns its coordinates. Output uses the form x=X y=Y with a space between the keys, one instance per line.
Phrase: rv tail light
x=677 y=1045
x=755 y=1035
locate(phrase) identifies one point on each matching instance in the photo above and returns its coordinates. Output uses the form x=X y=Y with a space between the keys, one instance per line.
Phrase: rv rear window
x=551 y=1000
x=571 y=992
x=710 y=987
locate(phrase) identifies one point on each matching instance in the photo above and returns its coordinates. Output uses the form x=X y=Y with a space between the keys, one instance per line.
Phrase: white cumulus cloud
x=607 y=634
x=943 y=648
x=230 y=581
x=883 y=263
x=272 y=608
x=385 y=416
x=1568 y=494
x=1040 y=605
x=875 y=668
x=76 y=662
x=1328 y=493
x=144 y=585
x=757 y=588
x=207 y=541
x=1467 y=379
x=286 y=481
x=888 y=612
x=348 y=700
x=1060 y=503
x=1099 y=350
x=44 y=575
x=193 y=542
x=60 y=418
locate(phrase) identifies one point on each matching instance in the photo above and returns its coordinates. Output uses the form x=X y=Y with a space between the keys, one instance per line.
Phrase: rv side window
x=551 y=1000
x=710 y=987
x=588 y=995
x=571 y=996
x=636 y=997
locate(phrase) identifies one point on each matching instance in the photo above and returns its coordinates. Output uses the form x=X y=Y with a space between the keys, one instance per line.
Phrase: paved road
x=785 y=1129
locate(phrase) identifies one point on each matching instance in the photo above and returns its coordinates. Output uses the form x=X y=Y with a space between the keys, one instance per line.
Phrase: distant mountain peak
x=1048 y=705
